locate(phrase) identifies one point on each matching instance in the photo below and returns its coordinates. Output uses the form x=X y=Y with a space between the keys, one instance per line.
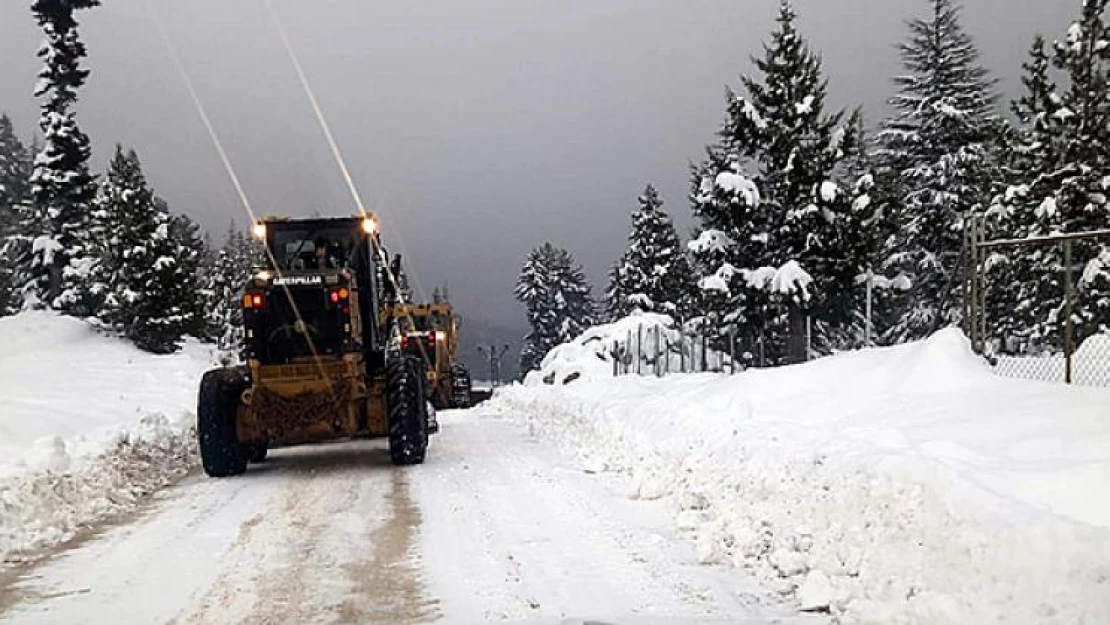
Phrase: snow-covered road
x=495 y=527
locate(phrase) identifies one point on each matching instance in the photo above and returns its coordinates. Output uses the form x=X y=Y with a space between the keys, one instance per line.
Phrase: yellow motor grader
x=324 y=356
x=431 y=331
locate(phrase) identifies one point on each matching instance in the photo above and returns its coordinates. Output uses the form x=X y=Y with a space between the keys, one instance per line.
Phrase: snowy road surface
x=495 y=527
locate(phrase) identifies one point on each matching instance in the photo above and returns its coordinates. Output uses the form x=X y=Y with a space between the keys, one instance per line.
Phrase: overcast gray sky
x=478 y=129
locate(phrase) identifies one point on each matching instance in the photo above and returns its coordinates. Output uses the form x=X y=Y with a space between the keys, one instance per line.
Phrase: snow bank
x=88 y=426
x=904 y=485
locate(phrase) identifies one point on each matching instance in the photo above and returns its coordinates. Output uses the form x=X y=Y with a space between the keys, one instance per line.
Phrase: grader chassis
x=322 y=352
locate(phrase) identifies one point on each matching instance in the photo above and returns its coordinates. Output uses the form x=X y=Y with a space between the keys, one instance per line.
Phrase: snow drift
x=902 y=485
x=88 y=426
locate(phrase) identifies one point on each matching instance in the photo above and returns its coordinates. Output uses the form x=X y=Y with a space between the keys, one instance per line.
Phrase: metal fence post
x=666 y=355
x=867 y=322
x=732 y=351
x=639 y=346
x=973 y=320
x=704 y=352
x=968 y=271
x=809 y=338
x=681 y=351
x=628 y=353
x=981 y=229
x=655 y=350
x=616 y=358
x=1069 y=309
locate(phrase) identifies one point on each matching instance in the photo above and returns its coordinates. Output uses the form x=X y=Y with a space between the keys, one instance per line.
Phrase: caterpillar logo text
x=299 y=281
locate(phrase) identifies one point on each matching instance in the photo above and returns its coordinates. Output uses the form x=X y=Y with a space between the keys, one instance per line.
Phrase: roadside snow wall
x=88 y=426
x=905 y=485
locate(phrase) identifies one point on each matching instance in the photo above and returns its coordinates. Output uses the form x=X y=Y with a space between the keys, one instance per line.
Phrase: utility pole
x=494 y=354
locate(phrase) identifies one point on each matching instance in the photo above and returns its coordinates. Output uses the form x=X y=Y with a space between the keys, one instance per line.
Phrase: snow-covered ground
x=901 y=486
x=904 y=485
x=88 y=425
x=495 y=527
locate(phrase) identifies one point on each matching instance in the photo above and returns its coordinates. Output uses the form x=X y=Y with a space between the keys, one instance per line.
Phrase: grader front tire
x=408 y=435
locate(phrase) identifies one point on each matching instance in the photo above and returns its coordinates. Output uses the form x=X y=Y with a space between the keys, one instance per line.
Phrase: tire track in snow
x=389 y=587
x=310 y=556
x=511 y=534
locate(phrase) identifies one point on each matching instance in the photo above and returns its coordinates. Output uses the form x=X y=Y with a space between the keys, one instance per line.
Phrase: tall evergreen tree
x=776 y=187
x=557 y=300
x=534 y=292
x=149 y=275
x=233 y=265
x=654 y=273
x=15 y=177
x=938 y=160
x=1059 y=174
x=191 y=252
x=60 y=222
x=15 y=174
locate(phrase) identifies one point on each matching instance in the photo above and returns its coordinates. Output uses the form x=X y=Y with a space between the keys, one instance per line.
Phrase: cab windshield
x=304 y=248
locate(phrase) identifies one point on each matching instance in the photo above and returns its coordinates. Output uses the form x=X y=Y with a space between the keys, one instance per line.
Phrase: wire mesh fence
x=1020 y=307
x=1089 y=365
x=658 y=350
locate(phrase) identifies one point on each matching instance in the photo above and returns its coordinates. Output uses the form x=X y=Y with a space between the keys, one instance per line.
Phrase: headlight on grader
x=259 y=230
x=369 y=226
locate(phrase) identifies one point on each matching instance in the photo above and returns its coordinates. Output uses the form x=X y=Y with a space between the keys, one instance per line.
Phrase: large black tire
x=460 y=387
x=408 y=435
x=221 y=454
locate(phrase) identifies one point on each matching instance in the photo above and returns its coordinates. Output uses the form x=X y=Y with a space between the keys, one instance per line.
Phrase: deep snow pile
x=88 y=425
x=906 y=485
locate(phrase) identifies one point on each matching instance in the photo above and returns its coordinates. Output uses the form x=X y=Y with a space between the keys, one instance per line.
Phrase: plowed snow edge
x=42 y=508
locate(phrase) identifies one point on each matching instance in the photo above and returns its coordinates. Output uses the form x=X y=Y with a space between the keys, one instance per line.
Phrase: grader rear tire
x=408 y=435
x=460 y=387
x=220 y=451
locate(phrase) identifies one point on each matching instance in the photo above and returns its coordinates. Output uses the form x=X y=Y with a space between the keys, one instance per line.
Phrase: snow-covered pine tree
x=15 y=176
x=232 y=266
x=557 y=302
x=654 y=273
x=191 y=253
x=1060 y=181
x=60 y=222
x=574 y=304
x=937 y=155
x=533 y=291
x=150 y=278
x=776 y=188
x=228 y=279
x=1013 y=300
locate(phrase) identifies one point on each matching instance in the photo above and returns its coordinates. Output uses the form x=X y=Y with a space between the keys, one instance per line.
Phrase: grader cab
x=323 y=358
x=431 y=332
